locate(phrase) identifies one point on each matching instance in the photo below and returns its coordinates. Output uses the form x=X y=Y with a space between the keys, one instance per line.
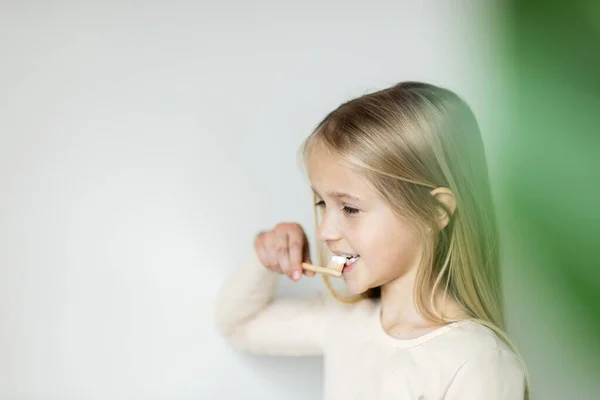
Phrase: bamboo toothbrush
x=334 y=267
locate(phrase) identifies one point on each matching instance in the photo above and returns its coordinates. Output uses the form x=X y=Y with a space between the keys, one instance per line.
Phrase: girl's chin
x=356 y=287
x=356 y=279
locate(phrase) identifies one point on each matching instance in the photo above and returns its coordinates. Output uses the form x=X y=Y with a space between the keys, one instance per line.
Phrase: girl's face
x=357 y=221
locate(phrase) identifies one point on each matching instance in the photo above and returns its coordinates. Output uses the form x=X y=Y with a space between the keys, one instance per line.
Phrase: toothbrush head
x=334 y=267
x=336 y=264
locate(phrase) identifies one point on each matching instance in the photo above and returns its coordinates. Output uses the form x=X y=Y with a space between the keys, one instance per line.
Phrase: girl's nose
x=327 y=230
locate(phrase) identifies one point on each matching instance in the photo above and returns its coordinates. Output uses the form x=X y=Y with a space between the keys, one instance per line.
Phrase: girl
x=401 y=189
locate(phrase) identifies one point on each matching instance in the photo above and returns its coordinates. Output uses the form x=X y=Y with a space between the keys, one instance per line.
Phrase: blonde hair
x=408 y=140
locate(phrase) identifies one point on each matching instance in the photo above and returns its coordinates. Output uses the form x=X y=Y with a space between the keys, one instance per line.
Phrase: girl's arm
x=251 y=318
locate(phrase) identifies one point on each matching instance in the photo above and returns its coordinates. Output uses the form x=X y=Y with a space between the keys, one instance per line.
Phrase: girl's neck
x=397 y=302
x=398 y=306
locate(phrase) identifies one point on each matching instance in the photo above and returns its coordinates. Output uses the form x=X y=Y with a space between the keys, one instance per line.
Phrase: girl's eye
x=350 y=210
x=346 y=209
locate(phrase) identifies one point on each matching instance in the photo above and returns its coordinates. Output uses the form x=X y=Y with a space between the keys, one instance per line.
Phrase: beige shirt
x=463 y=360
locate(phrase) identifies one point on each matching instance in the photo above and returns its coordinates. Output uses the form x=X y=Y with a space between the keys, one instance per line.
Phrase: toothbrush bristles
x=337 y=263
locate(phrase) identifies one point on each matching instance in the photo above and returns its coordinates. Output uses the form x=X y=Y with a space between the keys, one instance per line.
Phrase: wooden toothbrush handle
x=321 y=270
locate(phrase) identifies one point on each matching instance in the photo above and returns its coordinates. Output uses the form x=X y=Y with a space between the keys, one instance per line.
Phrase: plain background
x=141 y=147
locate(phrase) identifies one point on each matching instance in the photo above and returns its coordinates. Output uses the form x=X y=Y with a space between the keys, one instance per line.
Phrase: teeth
x=352 y=259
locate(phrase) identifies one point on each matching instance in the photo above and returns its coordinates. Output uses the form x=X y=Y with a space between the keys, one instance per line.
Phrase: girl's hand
x=283 y=249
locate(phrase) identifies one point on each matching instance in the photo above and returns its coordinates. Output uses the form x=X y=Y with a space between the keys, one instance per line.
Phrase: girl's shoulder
x=477 y=354
x=474 y=337
x=470 y=340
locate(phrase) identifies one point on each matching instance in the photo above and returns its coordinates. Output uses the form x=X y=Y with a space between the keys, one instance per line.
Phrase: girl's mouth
x=350 y=261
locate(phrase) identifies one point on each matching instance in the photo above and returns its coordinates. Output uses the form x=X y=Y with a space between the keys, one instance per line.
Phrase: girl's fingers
x=310 y=274
x=262 y=256
x=282 y=254
x=283 y=250
x=270 y=254
x=295 y=246
x=261 y=251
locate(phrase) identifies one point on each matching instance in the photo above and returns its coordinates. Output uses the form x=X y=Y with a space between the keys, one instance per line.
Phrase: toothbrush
x=334 y=267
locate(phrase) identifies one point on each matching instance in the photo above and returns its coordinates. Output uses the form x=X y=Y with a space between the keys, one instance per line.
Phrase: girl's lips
x=348 y=267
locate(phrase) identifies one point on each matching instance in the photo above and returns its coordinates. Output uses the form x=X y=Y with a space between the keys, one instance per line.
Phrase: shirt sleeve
x=251 y=319
x=492 y=376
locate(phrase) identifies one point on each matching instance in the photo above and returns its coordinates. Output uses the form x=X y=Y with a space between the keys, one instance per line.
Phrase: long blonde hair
x=407 y=140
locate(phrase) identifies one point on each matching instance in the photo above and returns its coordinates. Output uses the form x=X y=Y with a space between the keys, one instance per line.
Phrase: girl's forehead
x=325 y=165
x=328 y=172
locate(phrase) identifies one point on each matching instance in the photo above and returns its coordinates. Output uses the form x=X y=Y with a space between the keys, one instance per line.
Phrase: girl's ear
x=447 y=206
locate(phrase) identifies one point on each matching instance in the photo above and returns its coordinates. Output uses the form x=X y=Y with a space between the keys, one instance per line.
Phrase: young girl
x=400 y=179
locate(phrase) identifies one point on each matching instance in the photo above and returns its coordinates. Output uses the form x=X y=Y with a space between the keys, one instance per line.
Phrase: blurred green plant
x=551 y=155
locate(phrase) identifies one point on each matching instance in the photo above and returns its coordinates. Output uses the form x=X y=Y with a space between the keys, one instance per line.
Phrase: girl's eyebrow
x=339 y=195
